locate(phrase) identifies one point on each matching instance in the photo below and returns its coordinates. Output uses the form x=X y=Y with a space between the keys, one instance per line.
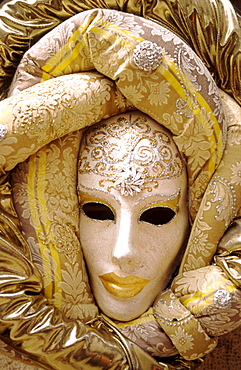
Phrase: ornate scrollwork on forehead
x=129 y=155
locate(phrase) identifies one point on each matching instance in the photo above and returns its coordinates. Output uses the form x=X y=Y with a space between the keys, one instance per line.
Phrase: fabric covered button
x=3 y=131
x=222 y=298
x=147 y=55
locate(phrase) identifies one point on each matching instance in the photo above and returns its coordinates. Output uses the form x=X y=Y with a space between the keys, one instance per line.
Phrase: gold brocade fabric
x=180 y=93
x=37 y=116
x=211 y=28
x=7 y=363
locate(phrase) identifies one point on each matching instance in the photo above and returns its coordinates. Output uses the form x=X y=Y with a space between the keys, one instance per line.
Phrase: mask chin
x=133 y=223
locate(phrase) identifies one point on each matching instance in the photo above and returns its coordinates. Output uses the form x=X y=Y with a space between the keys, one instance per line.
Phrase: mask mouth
x=123 y=287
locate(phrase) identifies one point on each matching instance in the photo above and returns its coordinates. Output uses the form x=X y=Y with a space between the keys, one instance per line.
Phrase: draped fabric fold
x=39 y=124
x=217 y=44
x=54 y=341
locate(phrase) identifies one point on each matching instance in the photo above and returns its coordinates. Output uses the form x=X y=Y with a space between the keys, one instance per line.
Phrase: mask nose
x=125 y=252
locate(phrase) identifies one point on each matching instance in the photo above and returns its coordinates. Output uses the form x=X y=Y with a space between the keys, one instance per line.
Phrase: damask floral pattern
x=128 y=81
x=50 y=175
x=236 y=173
x=197 y=290
x=35 y=119
x=149 y=336
x=182 y=337
x=222 y=200
x=9 y=359
x=112 y=56
x=10 y=364
x=182 y=327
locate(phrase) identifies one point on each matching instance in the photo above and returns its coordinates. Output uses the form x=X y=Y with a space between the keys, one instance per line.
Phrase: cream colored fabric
x=6 y=363
x=221 y=203
x=211 y=28
x=182 y=327
x=181 y=85
x=190 y=108
x=123 y=71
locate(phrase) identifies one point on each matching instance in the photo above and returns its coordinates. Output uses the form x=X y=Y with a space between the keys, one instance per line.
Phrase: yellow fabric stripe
x=61 y=54
x=34 y=211
x=45 y=76
x=110 y=29
x=41 y=191
x=216 y=144
x=42 y=225
x=67 y=55
x=201 y=300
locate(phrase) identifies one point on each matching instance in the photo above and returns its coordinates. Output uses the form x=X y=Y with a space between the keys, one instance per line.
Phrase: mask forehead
x=132 y=188
x=130 y=153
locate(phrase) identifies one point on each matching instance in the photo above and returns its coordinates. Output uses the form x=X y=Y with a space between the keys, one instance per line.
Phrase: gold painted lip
x=123 y=287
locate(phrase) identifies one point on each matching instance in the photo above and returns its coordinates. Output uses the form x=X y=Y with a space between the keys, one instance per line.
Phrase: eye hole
x=98 y=211
x=158 y=215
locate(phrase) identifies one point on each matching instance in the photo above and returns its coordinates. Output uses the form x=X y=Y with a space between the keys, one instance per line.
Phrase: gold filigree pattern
x=129 y=154
x=137 y=89
x=50 y=175
x=182 y=327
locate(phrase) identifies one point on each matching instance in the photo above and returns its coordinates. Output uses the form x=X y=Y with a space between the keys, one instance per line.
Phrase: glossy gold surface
x=216 y=37
x=35 y=327
x=229 y=253
x=125 y=287
x=53 y=341
x=41 y=330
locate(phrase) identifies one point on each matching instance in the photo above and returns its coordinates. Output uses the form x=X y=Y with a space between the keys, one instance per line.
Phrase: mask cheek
x=172 y=241
x=96 y=238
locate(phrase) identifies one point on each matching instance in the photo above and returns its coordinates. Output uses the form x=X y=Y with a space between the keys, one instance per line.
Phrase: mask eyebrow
x=96 y=190
x=171 y=201
x=86 y=197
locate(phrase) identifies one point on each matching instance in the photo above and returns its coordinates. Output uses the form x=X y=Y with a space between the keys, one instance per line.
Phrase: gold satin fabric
x=38 y=328
x=54 y=341
x=218 y=41
x=90 y=45
x=27 y=272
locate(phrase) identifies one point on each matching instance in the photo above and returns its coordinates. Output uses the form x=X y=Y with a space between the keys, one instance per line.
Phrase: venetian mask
x=134 y=219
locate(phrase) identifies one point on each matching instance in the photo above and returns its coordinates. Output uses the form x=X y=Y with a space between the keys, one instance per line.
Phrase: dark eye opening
x=98 y=211
x=157 y=215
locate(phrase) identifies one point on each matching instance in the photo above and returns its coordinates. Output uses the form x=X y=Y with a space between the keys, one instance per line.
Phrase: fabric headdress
x=140 y=65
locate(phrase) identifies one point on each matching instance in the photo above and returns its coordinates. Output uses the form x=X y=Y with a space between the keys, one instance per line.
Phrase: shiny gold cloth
x=58 y=342
x=34 y=285
x=211 y=28
x=88 y=45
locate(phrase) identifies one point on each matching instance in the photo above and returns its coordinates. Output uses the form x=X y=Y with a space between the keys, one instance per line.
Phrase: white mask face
x=132 y=232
